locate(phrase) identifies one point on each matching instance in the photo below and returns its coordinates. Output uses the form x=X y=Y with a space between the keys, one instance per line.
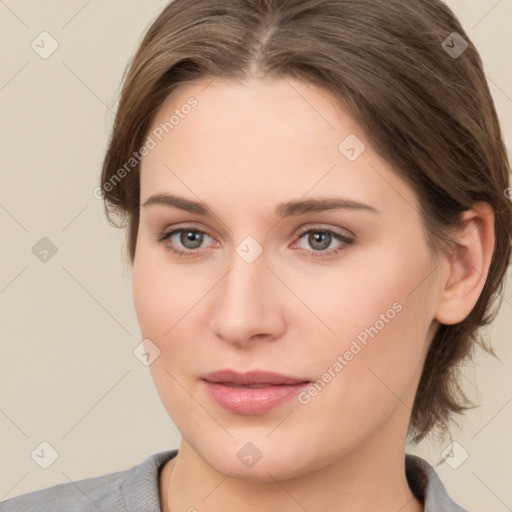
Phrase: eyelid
x=322 y=227
x=182 y=227
x=298 y=232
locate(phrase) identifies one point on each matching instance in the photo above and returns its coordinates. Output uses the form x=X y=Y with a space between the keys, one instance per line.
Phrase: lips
x=254 y=392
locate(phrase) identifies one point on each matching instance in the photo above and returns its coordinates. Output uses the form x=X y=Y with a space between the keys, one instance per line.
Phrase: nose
x=247 y=304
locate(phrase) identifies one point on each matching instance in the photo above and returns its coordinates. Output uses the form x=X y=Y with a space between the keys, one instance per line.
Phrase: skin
x=244 y=149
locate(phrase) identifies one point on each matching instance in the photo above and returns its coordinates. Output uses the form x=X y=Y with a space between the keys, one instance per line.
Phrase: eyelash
x=162 y=237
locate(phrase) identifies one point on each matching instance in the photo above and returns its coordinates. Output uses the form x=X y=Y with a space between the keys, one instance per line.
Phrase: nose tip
x=246 y=306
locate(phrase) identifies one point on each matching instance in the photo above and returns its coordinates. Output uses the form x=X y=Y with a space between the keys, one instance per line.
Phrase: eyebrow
x=289 y=208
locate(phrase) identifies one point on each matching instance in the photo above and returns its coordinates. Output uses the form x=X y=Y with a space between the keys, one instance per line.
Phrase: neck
x=371 y=477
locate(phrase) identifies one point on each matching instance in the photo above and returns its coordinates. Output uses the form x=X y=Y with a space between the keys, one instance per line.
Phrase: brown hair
x=396 y=65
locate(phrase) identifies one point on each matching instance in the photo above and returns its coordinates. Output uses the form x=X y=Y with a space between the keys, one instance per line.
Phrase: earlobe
x=468 y=264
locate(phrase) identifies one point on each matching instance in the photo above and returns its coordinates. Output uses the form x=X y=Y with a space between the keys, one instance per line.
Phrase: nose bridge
x=245 y=301
x=243 y=291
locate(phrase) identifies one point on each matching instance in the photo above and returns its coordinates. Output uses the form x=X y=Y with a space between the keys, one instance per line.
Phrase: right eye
x=184 y=242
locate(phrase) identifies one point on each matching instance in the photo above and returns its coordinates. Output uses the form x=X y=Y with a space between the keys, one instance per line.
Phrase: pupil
x=194 y=237
x=320 y=237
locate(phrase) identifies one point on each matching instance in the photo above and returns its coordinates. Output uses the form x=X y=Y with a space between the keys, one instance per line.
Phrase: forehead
x=286 y=107
x=263 y=138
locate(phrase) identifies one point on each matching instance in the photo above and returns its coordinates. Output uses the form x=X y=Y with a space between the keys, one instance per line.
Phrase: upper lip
x=251 y=377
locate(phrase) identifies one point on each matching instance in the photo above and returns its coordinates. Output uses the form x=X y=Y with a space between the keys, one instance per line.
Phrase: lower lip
x=244 y=400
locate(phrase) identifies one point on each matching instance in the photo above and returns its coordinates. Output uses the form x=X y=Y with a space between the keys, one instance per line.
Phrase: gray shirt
x=136 y=490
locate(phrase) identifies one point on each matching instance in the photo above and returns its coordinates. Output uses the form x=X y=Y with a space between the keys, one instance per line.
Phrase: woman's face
x=263 y=286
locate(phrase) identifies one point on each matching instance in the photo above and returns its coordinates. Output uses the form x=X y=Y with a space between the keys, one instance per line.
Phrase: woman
x=315 y=196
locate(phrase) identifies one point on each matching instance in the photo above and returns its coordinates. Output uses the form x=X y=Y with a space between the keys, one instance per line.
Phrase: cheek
x=380 y=314
x=169 y=303
x=163 y=292
x=161 y=304
x=376 y=296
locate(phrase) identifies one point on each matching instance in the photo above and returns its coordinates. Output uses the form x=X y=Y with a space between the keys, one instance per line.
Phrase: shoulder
x=427 y=486
x=120 y=491
x=83 y=495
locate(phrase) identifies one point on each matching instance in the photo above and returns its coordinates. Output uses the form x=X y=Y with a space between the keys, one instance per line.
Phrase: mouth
x=249 y=386
x=251 y=393
x=253 y=378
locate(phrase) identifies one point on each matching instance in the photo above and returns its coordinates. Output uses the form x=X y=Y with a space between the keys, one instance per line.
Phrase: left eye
x=321 y=239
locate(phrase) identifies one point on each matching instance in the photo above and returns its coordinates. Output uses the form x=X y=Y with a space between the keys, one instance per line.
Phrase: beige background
x=68 y=327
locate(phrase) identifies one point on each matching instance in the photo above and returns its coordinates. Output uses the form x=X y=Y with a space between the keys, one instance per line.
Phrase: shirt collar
x=141 y=487
x=427 y=486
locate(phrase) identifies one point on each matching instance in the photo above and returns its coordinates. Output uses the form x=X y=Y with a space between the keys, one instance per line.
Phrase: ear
x=468 y=264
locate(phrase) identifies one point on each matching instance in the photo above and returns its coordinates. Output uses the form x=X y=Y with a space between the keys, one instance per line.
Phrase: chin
x=261 y=460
